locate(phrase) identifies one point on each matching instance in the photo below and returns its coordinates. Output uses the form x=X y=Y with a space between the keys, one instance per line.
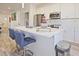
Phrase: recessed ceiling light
x=9 y=8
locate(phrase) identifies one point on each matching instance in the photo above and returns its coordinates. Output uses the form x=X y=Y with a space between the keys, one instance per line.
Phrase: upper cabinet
x=67 y=10
x=76 y=7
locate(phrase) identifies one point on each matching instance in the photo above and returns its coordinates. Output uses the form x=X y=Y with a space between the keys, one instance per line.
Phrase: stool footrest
x=28 y=53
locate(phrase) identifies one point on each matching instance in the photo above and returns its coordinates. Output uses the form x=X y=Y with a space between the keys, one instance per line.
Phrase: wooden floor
x=8 y=46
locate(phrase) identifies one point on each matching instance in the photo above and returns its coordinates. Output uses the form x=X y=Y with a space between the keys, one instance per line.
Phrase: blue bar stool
x=12 y=36
x=11 y=33
x=23 y=41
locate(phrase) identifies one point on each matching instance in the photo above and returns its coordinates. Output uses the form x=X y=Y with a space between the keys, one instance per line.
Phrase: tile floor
x=8 y=46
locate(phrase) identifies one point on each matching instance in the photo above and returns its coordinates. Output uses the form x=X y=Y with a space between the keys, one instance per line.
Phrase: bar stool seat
x=63 y=48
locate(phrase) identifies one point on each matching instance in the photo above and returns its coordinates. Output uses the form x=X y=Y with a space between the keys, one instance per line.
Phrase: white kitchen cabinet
x=67 y=10
x=76 y=31
x=76 y=10
x=53 y=22
x=68 y=26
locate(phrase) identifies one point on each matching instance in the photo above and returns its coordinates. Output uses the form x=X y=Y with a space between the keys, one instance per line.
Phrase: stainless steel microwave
x=55 y=15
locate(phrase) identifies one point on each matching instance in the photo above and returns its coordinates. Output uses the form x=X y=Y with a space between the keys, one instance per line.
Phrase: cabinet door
x=77 y=31
x=77 y=10
x=68 y=33
x=67 y=10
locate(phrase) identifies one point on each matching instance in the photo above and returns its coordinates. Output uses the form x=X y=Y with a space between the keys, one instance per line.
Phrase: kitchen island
x=46 y=39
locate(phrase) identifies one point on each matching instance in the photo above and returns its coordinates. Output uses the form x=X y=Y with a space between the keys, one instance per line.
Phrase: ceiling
x=6 y=8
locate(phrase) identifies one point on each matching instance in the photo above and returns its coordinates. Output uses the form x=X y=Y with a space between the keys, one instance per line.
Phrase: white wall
x=32 y=11
x=20 y=16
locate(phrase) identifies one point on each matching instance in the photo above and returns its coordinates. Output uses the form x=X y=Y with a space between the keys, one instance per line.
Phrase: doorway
x=27 y=19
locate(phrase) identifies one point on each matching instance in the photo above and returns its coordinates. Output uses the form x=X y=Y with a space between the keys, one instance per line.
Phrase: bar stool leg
x=23 y=51
x=56 y=52
x=68 y=53
x=27 y=52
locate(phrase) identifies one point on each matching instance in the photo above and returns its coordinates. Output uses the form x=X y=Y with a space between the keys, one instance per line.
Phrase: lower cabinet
x=76 y=23
x=68 y=26
x=71 y=30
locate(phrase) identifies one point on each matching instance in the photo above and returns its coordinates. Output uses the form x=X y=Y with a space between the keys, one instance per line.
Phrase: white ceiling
x=6 y=8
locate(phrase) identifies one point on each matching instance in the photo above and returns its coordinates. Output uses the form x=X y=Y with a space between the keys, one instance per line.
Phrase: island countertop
x=47 y=32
